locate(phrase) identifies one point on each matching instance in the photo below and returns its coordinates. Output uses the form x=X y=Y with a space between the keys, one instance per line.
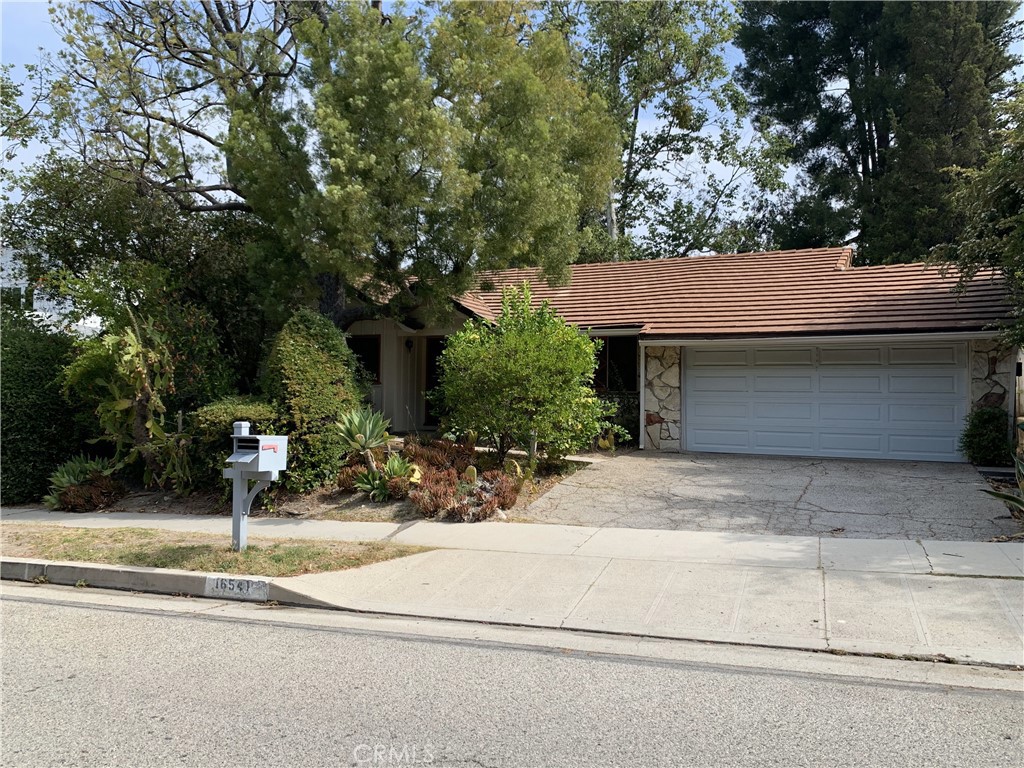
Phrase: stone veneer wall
x=993 y=375
x=662 y=398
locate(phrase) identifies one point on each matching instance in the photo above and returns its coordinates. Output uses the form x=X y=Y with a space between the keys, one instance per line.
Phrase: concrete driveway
x=779 y=495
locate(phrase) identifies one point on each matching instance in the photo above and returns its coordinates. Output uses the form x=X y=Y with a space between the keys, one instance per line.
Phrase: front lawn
x=151 y=548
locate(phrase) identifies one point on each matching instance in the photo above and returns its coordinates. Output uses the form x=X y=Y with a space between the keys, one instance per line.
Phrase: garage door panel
x=706 y=383
x=926 y=384
x=852 y=403
x=841 y=383
x=711 y=439
x=715 y=357
x=788 y=357
x=766 y=440
x=914 y=445
x=851 y=444
x=780 y=383
x=947 y=354
x=718 y=410
x=933 y=415
x=786 y=411
x=858 y=412
x=850 y=356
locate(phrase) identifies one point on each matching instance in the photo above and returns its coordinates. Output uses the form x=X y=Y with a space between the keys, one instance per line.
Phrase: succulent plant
x=470 y=474
x=362 y=431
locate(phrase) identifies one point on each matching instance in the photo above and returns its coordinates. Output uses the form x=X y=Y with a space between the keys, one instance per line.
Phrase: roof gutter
x=746 y=341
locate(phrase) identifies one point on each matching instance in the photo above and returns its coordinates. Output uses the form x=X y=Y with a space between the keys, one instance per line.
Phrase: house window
x=617 y=368
x=367 y=351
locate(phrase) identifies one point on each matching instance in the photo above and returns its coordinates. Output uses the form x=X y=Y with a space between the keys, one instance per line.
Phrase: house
x=16 y=292
x=784 y=353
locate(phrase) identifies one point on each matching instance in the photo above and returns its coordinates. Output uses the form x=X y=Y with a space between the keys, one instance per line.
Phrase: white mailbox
x=260 y=453
x=255 y=457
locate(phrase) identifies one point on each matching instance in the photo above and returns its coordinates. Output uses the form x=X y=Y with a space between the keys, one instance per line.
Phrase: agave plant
x=362 y=431
x=75 y=471
x=397 y=466
x=374 y=483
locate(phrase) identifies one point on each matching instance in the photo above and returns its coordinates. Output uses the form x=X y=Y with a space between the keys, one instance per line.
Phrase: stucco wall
x=662 y=398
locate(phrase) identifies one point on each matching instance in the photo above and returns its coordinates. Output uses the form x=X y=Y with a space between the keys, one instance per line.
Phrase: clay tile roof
x=778 y=293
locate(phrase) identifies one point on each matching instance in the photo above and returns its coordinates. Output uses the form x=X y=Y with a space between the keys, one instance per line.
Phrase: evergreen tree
x=877 y=100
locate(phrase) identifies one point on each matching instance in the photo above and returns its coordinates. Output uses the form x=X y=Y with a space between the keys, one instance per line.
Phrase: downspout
x=643 y=395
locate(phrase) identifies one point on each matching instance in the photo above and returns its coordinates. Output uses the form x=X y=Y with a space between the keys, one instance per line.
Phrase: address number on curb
x=237 y=589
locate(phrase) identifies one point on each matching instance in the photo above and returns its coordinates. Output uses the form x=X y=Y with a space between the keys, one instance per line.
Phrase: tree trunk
x=613 y=222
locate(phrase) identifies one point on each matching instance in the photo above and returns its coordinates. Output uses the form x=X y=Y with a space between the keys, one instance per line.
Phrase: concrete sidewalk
x=847 y=595
x=962 y=558
x=971 y=620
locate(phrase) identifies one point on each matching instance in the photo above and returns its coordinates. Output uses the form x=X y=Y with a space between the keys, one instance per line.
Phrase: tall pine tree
x=878 y=99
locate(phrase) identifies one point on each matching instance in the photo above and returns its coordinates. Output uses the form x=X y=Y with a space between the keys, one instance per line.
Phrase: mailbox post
x=255 y=457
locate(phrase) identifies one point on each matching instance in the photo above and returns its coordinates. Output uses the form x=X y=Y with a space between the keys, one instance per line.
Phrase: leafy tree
x=391 y=157
x=20 y=124
x=113 y=246
x=523 y=381
x=989 y=202
x=880 y=99
x=688 y=165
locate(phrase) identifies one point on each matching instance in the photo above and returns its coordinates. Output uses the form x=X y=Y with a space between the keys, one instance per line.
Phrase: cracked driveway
x=779 y=495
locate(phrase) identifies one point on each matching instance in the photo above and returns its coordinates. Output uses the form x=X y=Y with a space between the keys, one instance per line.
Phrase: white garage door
x=895 y=402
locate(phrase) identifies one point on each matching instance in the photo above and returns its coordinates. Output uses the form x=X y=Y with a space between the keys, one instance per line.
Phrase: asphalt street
x=133 y=681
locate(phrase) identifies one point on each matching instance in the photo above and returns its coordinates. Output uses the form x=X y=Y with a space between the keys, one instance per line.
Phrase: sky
x=24 y=30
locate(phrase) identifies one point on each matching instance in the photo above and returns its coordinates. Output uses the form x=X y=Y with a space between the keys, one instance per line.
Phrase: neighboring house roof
x=778 y=293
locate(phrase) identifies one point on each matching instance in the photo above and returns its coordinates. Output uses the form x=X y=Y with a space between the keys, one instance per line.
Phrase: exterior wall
x=993 y=375
x=399 y=396
x=663 y=397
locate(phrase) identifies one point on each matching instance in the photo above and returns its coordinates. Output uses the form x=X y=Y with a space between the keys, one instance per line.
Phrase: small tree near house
x=523 y=381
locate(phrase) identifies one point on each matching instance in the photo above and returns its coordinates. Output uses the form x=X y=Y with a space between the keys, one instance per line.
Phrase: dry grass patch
x=151 y=548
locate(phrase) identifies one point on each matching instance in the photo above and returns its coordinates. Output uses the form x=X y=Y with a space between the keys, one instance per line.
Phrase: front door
x=431 y=411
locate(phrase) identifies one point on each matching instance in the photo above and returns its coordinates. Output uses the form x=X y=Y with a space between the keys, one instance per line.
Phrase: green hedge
x=985 y=440
x=311 y=376
x=211 y=426
x=39 y=431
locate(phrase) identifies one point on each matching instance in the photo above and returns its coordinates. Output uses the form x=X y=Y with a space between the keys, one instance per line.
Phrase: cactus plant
x=470 y=474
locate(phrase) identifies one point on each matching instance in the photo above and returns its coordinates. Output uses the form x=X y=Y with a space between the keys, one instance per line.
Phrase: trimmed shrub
x=39 y=429
x=310 y=375
x=985 y=440
x=523 y=381
x=211 y=428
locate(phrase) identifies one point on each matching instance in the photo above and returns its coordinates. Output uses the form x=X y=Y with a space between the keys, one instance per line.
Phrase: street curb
x=260 y=589
x=164 y=581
